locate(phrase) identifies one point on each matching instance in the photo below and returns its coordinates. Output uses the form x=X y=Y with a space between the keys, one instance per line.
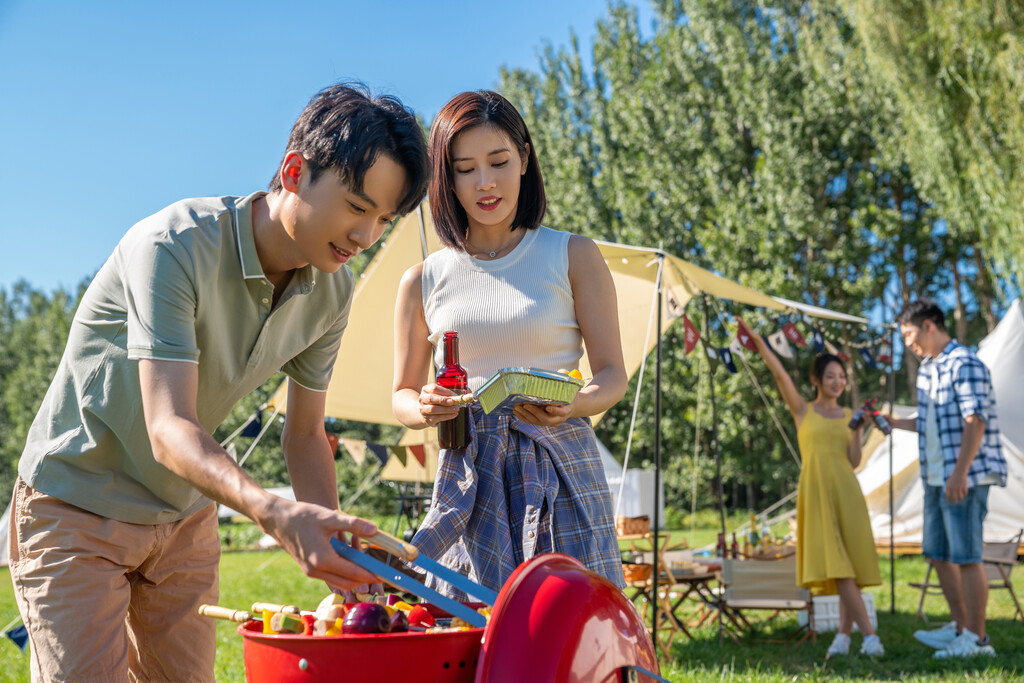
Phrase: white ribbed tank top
x=517 y=310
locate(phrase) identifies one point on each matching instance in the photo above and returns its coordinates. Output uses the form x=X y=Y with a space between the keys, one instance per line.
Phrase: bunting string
x=760 y=391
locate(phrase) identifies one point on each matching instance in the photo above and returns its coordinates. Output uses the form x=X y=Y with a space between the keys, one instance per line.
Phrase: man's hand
x=956 y=487
x=304 y=531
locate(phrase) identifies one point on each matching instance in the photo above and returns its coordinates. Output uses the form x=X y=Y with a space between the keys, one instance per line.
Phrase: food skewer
x=260 y=607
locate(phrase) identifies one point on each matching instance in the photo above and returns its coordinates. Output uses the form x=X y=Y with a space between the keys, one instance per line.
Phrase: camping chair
x=999 y=559
x=677 y=589
x=642 y=590
x=763 y=585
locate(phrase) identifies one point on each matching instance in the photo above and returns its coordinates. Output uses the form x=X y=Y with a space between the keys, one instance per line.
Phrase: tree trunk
x=985 y=295
x=910 y=361
x=959 y=312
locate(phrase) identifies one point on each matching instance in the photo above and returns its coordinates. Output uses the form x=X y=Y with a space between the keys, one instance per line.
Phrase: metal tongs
x=412 y=555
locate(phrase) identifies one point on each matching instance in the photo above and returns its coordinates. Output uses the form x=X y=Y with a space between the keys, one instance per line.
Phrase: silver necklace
x=494 y=254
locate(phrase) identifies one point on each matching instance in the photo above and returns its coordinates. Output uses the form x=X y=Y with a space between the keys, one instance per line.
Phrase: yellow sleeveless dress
x=834 y=539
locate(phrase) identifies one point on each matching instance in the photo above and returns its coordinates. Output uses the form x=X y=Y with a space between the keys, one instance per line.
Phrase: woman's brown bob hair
x=465 y=110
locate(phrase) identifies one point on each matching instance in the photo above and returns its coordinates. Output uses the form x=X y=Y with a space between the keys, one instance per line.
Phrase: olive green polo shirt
x=183 y=285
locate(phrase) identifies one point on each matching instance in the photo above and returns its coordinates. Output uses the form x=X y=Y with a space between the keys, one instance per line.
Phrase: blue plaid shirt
x=964 y=389
x=517 y=491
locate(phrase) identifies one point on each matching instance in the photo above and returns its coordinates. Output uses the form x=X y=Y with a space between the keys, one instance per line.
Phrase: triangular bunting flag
x=690 y=335
x=744 y=335
x=672 y=306
x=779 y=343
x=868 y=360
x=419 y=454
x=818 y=340
x=355 y=448
x=232 y=451
x=736 y=347
x=793 y=334
x=836 y=352
x=712 y=355
x=399 y=452
x=18 y=636
x=253 y=426
x=333 y=440
x=726 y=356
x=380 y=450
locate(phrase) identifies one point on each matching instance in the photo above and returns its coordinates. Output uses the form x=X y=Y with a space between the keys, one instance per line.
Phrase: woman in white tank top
x=518 y=294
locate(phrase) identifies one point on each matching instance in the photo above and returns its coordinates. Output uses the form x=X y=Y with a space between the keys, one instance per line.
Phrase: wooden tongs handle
x=218 y=612
x=397 y=547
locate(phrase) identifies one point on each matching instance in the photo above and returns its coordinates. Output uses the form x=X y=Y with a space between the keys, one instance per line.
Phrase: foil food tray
x=510 y=386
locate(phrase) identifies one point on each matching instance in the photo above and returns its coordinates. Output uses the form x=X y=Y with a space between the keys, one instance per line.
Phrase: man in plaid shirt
x=961 y=457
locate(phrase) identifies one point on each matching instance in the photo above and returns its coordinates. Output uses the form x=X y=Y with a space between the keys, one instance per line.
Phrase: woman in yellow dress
x=835 y=548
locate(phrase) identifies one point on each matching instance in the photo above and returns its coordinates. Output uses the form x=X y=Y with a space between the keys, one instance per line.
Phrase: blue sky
x=111 y=110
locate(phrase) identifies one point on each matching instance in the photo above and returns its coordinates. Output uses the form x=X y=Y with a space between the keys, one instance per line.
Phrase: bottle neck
x=451 y=350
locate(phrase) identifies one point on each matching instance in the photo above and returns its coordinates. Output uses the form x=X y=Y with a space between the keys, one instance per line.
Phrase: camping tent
x=1003 y=352
x=637 y=490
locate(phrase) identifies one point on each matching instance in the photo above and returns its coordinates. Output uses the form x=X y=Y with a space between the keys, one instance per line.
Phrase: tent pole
x=423 y=231
x=657 y=467
x=714 y=423
x=892 y=409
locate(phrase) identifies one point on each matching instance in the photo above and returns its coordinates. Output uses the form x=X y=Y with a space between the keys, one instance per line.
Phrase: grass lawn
x=272 y=576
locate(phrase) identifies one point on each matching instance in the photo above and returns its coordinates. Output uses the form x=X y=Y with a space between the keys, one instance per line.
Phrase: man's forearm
x=906 y=424
x=311 y=470
x=970 y=442
x=185 y=448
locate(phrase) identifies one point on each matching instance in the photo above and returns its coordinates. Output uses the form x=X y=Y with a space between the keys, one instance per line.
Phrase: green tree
x=744 y=139
x=956 y=69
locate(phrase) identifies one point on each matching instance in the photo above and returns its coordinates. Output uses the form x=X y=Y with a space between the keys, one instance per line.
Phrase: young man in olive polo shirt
x=114 y=535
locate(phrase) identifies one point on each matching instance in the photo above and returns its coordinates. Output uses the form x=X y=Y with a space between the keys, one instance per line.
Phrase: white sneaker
x=966 y=645
x=840 y=646
x=938 y=638
x=872 y=646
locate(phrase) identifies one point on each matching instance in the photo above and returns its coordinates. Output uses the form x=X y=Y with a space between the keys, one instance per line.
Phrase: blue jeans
x=953 y=532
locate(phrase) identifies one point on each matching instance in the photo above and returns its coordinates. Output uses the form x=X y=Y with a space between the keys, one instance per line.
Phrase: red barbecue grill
x=553 y=621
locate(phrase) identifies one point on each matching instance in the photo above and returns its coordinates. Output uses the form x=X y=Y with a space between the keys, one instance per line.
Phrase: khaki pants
x=110 y=601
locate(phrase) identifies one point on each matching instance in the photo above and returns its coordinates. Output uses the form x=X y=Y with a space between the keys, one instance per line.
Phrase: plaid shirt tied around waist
x=519 y=490
x=964 y=388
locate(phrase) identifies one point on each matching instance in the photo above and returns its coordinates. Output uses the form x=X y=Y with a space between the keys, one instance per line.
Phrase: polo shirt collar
x=304 y=278
x=250 y=260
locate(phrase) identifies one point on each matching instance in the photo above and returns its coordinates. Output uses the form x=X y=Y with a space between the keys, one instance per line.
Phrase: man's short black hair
x=345 y=129
x=916 y=312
